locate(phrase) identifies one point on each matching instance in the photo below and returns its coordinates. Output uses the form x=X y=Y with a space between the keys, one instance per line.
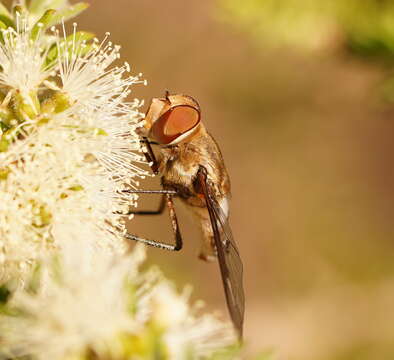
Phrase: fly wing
x=229 y=259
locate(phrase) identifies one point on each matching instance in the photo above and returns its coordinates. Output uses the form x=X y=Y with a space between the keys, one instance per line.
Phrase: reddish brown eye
x=180 y=120
x=174 y=123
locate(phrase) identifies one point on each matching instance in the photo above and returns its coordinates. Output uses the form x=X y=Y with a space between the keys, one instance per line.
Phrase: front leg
x=150 y=156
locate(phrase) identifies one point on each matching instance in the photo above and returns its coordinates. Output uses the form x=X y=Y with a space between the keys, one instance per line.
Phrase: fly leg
x=159 y=210
x=161 y=207
x=167 y=199
x=150 y=156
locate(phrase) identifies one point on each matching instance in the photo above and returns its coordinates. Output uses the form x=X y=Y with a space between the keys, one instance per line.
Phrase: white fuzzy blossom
x=87 y=305
x=66 y=167
x=22 y=60
x=186 y=333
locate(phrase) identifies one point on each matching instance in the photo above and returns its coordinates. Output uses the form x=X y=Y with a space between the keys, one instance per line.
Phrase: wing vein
x=230 y=263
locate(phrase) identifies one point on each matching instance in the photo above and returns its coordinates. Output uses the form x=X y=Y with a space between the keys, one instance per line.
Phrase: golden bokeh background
x=307 y=140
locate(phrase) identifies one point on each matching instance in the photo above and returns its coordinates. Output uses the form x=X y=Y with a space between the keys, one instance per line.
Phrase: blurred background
x=298 y=95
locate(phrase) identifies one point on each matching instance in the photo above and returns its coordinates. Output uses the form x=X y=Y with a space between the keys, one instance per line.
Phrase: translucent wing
x=228 y=255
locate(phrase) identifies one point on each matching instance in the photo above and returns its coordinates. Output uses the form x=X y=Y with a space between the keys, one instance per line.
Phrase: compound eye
x=174 y=123
x=180 y=120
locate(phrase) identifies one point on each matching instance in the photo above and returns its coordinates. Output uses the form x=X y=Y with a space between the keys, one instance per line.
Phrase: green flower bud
x=7 y=137
x=57 y=103
x=6 y=116
x=23 y=107
x=43 y=217
x=18 y=9
x=62 y=102
x=4 y=143
x=4 y=173
x=76 y=188
x=98 y=131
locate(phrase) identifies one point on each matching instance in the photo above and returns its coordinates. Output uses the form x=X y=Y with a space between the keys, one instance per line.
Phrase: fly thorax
x=184 y=170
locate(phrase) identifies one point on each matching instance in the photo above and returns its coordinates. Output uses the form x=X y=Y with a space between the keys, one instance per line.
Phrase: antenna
x=167 y=94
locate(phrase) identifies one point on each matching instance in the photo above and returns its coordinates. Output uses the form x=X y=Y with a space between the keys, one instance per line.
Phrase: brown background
x=308 y=145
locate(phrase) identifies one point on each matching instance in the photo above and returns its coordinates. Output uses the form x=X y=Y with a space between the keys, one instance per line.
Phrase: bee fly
x=192 y=168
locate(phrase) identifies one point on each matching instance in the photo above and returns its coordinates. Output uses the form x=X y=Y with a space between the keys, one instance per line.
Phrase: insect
x=192 y=168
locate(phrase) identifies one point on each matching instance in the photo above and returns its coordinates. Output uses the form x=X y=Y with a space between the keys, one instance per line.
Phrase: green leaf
x=3 y=126
x=2 y=27
x=80 y=36
x=37 y=7
x=42 y=24
x=7 y=21
x=69 y=12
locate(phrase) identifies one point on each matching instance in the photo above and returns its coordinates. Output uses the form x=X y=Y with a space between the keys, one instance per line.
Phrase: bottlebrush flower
x=183 y=331
x=84 y=305
x=23 y=63
x=68 y=145
x=103 y=305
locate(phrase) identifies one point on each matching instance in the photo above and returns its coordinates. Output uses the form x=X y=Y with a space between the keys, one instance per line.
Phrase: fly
x=192 y=168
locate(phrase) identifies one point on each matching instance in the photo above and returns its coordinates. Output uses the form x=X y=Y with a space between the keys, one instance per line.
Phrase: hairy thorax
x=180 y=163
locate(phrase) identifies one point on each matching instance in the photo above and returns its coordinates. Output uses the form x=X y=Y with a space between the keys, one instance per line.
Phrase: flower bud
x=4 y=173
x=26 y=106
x=5 y=117
x=4 y=143
x=43 y=216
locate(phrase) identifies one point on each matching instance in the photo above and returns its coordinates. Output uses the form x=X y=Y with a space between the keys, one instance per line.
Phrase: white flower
x=83 y=304
x=86 y=76
x=185 y=332
x=89 y=300
x=22 y=61
x=66 y=172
